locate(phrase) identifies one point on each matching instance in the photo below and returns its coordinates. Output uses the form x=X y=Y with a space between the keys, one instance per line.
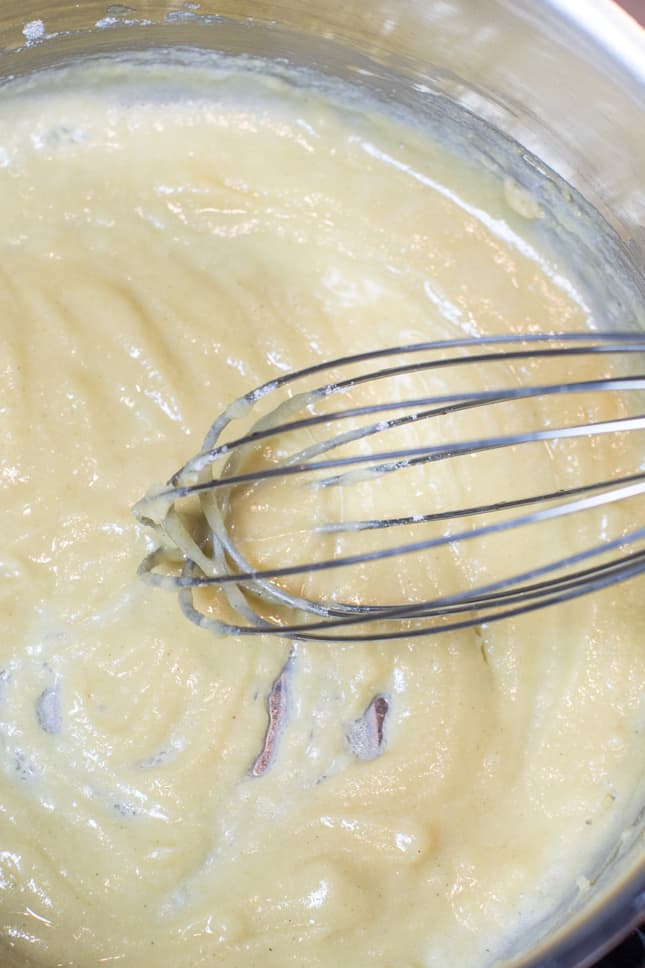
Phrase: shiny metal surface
x=564 y=78
x=328 y=459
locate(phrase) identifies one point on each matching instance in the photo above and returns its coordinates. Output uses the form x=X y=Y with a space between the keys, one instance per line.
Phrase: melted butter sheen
x=168 y=239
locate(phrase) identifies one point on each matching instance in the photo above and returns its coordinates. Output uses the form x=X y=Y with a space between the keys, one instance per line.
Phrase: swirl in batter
x=170 y=237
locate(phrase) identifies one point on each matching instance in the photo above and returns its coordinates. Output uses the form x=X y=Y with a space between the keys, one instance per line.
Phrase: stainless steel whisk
x=295 y=436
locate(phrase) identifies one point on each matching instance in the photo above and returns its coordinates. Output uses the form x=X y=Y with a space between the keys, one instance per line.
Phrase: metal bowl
x=560 y=85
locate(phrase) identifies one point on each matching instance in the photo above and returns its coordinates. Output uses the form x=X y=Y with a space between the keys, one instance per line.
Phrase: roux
x=170 y=237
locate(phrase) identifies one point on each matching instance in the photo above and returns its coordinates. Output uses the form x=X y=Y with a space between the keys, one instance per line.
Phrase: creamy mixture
x=168 y=239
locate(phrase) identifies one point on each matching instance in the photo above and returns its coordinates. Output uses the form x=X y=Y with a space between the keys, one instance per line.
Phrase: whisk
x=334 y=450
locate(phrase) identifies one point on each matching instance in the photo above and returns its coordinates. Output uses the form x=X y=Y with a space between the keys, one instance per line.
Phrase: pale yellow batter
x=168 y=239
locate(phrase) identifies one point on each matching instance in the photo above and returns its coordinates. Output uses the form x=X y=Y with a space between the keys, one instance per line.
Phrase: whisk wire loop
x=306 y=448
